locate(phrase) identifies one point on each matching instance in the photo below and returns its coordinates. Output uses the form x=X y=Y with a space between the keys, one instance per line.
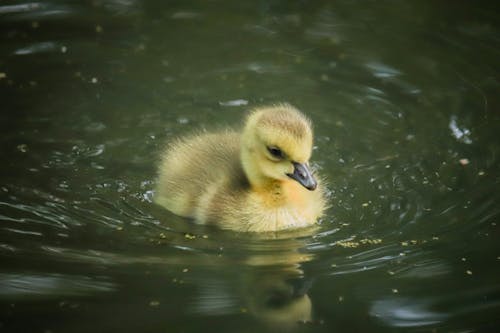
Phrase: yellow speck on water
x=341 y=298
x=94 y=80
x=469 y=272
x=204 y=236
x=347 y=244
x=464 y=161
x=391 y=272
x=365 y=204
x=162 y=235
x=154 y=303
x=2 y=75
x=98 y=29
x=243 y=310
x=371 y=241
x=119 y=228
x=35 y=24
x=333 y=265
x=185 y=270
x=189 y=236
x=404 y=243
x=395 y=291
x=464 y=259
x=481 y=173
x=435 y=238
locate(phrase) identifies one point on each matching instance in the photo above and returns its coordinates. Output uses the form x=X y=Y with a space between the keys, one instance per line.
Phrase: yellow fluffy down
x=236 y=180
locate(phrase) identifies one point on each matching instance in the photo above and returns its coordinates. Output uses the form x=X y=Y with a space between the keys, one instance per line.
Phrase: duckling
x=258 y=180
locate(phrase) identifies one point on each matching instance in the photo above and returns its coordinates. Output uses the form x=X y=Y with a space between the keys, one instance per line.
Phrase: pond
x=404 y=97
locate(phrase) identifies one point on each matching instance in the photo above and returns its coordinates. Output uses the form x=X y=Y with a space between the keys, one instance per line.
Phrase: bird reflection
x=278 y=298
x=271 y=284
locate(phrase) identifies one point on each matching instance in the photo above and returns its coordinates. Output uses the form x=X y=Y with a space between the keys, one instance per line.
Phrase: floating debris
x=94 y=80
x=347 y=244
x=395 y=291
x=98 y=29
x=354 y=244
x=189 y=236
x=371 y=241
x=3 y=75
x=469 y=272
x=464 y=161
x=185 y=270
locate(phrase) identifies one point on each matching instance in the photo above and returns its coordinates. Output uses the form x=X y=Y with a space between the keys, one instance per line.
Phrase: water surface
x=404 y=99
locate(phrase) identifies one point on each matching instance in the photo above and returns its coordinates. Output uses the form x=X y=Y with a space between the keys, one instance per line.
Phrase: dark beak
x=303 y=175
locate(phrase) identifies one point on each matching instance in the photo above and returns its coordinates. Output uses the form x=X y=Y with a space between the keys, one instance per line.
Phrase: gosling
x=258 y=180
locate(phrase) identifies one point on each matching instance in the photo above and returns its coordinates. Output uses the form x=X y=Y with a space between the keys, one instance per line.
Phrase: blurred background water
x=404 y=97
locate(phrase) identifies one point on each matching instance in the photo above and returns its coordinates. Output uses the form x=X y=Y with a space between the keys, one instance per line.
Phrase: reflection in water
x=275 y=285
x=278 y=299
x=272 y=286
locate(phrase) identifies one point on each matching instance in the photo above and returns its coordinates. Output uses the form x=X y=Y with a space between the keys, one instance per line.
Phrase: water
x=404 y=98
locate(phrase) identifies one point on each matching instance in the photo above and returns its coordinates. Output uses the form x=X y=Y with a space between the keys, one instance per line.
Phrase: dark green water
x=404 y=96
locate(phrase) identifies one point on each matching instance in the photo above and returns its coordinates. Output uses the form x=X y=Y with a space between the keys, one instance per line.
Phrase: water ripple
x=55 y=285
x=404 y=312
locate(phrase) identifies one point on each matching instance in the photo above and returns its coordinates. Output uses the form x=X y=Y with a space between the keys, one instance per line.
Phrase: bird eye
x=276 y=152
